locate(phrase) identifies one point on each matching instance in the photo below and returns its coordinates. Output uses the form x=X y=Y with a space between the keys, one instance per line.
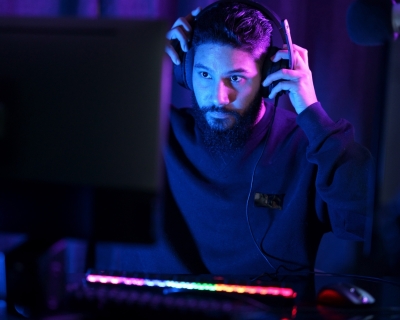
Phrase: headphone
x=183 y=72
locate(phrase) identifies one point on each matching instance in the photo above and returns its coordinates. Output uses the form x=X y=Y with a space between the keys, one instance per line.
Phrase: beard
x=217 y=136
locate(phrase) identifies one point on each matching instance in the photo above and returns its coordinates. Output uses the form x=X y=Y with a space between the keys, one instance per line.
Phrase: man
x=250 y=190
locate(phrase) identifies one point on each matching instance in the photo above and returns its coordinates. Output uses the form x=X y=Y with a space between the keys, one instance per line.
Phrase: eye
x=205 y=74
x=236 y=78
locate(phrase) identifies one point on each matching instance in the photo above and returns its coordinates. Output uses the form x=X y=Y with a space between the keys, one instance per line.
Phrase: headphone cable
x=252 y=179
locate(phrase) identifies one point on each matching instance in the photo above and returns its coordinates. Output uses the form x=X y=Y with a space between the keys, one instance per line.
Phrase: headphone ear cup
x=183 y=71
x=270 y=67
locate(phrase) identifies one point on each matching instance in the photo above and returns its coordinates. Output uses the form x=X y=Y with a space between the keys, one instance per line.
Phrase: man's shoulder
x=181 y=112
x=181 y=119
x=283 y=113
x=285 y=119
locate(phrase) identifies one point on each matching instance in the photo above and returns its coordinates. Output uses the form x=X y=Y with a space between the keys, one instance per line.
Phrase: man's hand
x=182 y=31
x=298 y=81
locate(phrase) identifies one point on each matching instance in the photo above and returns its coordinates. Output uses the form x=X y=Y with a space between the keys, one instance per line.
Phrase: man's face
x=226 y=83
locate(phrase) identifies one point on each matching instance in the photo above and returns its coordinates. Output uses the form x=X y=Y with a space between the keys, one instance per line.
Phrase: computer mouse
x=344 y=294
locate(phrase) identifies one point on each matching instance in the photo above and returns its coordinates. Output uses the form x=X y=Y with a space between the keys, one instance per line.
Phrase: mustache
x=219 y=109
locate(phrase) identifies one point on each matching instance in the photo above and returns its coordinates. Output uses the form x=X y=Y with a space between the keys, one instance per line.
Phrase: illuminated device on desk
x=200 y=286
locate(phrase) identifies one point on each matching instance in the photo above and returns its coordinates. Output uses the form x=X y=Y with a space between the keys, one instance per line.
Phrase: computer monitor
x=83 y=111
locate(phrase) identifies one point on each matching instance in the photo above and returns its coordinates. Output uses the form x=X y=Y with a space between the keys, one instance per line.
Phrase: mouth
x=219 y=114
x=220 y=120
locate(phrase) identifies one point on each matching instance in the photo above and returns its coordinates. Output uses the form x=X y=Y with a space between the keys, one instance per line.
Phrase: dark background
x=361 y=84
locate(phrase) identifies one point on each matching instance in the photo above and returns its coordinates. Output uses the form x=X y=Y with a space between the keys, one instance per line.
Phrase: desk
x=69 y=298
x=153 y=304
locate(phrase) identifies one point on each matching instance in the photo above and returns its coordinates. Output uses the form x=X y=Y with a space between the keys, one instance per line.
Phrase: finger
x=298 y=61
x=179 y=35
x=302 y=52
x=282 y=74
x=196 y=11
x=190 y=17
x=283 y=85
x=183 y=22
x=298 y=51
x=301 y=97
x=169 y=49
x=281 y=54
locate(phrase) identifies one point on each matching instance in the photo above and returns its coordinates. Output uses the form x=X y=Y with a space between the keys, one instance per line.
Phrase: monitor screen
x=83 y=106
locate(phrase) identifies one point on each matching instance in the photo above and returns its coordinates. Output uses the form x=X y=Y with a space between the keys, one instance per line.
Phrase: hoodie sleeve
x=345 y=174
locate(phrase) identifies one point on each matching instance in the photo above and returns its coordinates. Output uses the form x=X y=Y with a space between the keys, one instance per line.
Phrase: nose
x=223 y=93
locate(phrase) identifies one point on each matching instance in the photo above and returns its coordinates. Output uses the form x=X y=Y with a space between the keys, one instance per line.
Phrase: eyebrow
x=202 y=66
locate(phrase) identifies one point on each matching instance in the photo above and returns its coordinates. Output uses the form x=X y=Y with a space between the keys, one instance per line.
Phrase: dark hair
x=234 y=24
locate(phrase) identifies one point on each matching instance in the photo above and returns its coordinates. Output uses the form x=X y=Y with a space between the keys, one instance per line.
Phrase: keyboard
x=185 y=282
x=179 y=296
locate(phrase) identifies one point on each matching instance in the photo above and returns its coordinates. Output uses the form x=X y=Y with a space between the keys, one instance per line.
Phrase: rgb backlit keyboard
x=213 y=284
